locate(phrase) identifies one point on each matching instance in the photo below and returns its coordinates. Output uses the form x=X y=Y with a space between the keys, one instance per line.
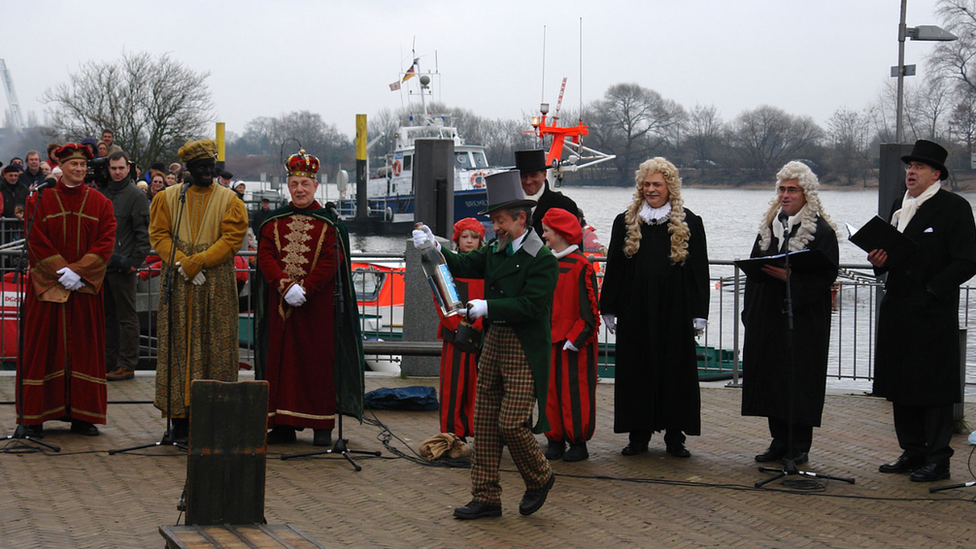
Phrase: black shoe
x=32 y=431
x=678 y=450
x=322 y=437
x=930 y=472
x=282 y=434
x=798 y=459
x=633 y=449
x=773 y=453
x=577 y=452
x=903 y=464
x=83 y=428
x=533 y=499
x=120 y=374
x=477 y=509
x=556 y=449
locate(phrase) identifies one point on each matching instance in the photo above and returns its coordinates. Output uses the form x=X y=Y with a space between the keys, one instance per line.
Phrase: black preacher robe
x=917 y=357
x=656 y=385
x=766 y=353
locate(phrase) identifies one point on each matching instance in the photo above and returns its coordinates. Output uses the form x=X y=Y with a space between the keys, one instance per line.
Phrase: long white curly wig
x=677 y=226
x=807 y=181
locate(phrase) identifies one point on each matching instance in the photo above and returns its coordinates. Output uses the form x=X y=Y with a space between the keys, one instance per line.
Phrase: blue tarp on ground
x=415 y=398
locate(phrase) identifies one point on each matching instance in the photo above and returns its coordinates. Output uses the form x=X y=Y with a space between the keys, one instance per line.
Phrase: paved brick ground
x=83 y=497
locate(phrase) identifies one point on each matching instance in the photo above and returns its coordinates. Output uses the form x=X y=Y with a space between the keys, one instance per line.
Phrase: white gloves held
x=422 y=235
x=610 y=321
x=477 y=308
x=70 y=279
x=295 y=296
x=699 y=325
x=198 y=279
x=568 y=346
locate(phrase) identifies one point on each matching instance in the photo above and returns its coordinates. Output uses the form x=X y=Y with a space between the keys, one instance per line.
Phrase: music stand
x=168 y=438
x=789 y=465
x=341 y=445
x=17 y=446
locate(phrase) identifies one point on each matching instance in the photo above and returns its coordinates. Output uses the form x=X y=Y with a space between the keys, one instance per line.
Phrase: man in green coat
x=520 y=276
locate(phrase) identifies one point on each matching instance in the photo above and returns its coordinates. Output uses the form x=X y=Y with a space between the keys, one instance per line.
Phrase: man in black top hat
x=532 y=168
x=917 y=359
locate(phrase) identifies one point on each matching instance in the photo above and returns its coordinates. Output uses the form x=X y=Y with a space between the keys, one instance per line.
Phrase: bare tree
x=766 y=137
x=152 y=103
x=703 y=134
x=849 y=133
x=631 y=122
x=957 y=59
x=275 y=137
x=927 y=103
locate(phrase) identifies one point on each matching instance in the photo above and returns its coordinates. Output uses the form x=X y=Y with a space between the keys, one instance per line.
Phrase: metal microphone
x=784 y=218
x=50 y=181
x=331 y=208
x=187 y=183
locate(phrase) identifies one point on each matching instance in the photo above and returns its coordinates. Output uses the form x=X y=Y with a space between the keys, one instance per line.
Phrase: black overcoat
x=766 y=353
x=656 y=385
x=917 y=357
x=552 y=199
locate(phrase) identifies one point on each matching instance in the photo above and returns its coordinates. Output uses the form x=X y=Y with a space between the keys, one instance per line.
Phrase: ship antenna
x=543 y=63
x=581 y=72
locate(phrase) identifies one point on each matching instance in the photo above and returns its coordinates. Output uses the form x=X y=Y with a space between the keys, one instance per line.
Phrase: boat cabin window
x=367 y=283
x=407 y=161
x=462 y=160
x=479 y=159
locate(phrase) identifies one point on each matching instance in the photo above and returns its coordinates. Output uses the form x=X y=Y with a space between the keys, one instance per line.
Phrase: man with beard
x=204 y=327
x=63 y=364
x=916 y=364
x=784 y=382
x=131 y=249
x=655 y=295
x=520 y=276
x=532 y=169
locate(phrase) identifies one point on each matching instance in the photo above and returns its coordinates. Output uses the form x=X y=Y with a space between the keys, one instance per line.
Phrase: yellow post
x=360 y=137
x=220 y=141
x=361 y=210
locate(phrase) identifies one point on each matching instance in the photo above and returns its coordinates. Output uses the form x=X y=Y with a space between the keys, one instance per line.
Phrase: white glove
x=182 y=272
x=699 y=324
x=477 y=308
x=422 y=235
x=610 y=322
x=199 y=279
x=295 y=296
x=69 y=279
x=568 y=346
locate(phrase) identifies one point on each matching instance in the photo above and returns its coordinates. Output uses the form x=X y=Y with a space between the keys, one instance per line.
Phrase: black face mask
x=202 y=172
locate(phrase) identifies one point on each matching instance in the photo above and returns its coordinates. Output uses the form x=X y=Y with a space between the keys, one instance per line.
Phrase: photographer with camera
x=131 y=248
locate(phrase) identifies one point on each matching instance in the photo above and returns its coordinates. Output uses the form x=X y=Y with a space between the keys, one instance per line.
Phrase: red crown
x=302 y=164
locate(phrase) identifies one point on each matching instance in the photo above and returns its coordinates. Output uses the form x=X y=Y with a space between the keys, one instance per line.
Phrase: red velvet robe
x=300 y=249
x=63 y=364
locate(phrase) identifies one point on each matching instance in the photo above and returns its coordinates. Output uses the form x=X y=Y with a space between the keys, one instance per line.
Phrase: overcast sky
x=337 y=58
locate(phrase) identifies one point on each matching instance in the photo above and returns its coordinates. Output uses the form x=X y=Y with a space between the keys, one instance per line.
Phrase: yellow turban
x=198 y=150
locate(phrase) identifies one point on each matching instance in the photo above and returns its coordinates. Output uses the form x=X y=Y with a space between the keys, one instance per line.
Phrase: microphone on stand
x=187 y=183
x=50 y=181
x=784 y=218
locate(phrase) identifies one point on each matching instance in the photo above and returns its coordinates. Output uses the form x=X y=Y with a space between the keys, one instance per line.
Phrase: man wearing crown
x=212 y=224
x=69 y=245
x=302 y=254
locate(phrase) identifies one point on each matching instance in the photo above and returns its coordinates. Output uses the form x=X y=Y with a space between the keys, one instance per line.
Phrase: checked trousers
x=502 y=414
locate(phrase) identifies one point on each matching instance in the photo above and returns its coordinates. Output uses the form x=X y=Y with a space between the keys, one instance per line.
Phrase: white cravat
x=910 y=205
x=655 y=216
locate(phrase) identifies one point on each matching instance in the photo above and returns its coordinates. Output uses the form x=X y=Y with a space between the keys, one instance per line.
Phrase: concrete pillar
x=433 y=184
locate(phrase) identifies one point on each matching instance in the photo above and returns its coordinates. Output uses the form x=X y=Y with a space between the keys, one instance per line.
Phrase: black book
x=800 y=261
x=878 y=234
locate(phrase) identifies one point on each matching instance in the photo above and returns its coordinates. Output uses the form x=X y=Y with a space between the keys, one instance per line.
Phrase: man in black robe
x=533 y=172
x=777 y=377
x=916 y=364
x=655 y=296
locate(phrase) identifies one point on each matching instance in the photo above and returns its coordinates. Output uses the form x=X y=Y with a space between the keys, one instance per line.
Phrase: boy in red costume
x=570 y=406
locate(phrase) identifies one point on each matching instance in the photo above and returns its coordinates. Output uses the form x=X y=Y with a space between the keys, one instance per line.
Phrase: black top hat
x=531 y=161
x=928 y=152
x=505 y=191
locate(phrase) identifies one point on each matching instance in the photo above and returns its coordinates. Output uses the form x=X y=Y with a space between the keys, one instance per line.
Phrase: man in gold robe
x=198 y=339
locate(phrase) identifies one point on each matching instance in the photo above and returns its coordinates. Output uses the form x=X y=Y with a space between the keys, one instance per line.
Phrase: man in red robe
x=297 y=255
x=70 y=242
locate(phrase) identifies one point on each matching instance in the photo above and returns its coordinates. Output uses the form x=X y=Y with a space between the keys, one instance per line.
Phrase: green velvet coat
x=519 y=293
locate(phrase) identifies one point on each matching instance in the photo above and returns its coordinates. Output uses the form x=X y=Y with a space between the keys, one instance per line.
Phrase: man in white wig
x=794 y=221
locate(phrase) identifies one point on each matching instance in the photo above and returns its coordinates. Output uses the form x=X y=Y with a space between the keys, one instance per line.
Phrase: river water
x=731 y=218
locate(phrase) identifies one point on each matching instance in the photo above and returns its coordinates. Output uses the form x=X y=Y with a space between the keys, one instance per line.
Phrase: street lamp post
x=926 y=33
